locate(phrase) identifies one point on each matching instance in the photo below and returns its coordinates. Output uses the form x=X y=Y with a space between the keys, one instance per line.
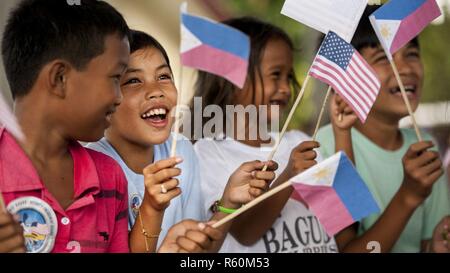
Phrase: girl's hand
x=160 y=184
x=302 y=158
x=190 y=236
x=247 y=183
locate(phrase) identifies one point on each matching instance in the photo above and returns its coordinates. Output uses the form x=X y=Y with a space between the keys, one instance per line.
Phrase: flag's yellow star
x=385 y=32
x=322 y=174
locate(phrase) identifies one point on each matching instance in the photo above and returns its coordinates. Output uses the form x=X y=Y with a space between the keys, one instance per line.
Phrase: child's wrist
x=341 y=131
x=227 y=203
x=149 y=208
x=408 y=199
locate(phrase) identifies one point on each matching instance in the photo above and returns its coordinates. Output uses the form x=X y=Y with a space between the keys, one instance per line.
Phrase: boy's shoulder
x=109 y=172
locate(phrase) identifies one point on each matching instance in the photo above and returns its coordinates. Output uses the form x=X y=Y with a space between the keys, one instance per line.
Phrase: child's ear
x=57 y=77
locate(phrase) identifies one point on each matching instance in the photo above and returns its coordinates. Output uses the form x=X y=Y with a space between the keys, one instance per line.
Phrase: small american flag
x=342 y=67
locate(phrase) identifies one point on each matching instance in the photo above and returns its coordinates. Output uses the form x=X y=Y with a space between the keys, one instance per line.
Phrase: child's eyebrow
x=162 y=66
x=377 y=51
x=132 y=70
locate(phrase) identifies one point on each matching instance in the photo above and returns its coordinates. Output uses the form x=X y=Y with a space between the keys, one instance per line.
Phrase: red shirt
x=97 y=220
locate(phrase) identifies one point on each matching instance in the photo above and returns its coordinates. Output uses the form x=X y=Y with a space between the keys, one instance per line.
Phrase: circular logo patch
x=39 y=223
x=135 y=203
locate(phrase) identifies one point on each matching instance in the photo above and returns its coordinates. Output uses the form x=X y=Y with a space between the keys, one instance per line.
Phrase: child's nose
x=404 y=67
x=284 y=87
x=154 y=94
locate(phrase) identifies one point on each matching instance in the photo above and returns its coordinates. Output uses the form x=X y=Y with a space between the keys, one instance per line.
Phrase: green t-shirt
x=382 y=171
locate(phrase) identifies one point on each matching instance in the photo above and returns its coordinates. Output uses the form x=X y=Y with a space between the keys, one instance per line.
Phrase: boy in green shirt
x=405 y=176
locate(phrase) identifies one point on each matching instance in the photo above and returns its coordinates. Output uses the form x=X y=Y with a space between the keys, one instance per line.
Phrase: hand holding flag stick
x=333 y=191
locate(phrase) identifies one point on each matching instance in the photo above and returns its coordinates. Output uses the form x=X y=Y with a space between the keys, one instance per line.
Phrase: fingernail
x=178 y=159
x=253 y=173
x=446 y=227
x=16 y=217
x=201 y=226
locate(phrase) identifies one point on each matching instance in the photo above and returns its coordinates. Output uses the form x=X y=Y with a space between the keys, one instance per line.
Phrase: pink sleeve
x=119 y=240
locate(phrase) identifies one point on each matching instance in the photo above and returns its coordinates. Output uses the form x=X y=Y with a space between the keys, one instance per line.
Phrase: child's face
x=277 y=74
x=149 y=94
x=94 y=93
x=389 y=104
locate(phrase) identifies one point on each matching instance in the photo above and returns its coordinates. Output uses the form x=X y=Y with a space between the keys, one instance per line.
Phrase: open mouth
x=157 y=117
x=410 y=91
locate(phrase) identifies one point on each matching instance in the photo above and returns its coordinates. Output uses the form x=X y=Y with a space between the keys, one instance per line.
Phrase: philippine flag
x=214 y=47
x=335 y=193
x=399 y=21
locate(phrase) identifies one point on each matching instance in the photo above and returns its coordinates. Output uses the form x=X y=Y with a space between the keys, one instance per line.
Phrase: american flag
x=338 y=64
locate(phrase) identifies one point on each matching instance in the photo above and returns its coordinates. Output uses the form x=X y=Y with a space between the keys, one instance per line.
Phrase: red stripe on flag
x=345 y=78
x=361 y=115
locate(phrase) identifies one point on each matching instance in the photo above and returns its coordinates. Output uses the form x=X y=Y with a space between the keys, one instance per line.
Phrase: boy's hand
x=421 y=169
x=302 y=158
x=160 y=184
x=441 y=237
x=342 y=116
x=11 y=235
x=190 y=236
x=247 y=183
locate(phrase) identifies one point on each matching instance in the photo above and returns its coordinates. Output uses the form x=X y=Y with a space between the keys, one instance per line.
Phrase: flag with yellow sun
x=335 y=193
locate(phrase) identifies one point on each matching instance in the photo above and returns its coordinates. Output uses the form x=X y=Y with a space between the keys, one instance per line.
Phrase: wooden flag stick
x=288 y=120
x=177 y=115
x=322 y=111
x=252 y=203
x=405 y=98
x=2 y=203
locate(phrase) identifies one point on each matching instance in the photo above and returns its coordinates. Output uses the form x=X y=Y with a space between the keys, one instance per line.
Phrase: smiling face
x=274 y=85
x=94 y=93
x=389 y=104
x=149 y=94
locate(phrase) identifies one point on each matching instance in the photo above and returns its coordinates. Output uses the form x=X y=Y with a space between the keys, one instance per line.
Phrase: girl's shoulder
x=296 y=136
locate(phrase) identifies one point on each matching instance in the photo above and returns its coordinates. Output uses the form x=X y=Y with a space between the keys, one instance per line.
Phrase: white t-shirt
x=296 y=230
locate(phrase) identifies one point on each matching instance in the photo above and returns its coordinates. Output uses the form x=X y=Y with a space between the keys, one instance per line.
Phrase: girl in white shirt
x=282 y=223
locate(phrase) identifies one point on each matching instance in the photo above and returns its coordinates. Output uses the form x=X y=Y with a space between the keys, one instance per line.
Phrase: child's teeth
x=163 y=111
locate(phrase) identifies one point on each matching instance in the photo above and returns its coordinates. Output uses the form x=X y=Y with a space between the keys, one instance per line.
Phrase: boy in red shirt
x=64 y=63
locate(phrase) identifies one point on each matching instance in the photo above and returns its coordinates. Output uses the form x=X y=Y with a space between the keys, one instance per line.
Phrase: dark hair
x=217 y=90
x=141 y=40
x=39 y=31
